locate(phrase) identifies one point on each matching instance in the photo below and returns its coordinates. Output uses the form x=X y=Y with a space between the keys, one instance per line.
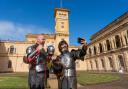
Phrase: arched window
x=118 y=42
x=108 y=45
x=102 y=61
x=9 y=64
x=101 y=48
x=12 y=49
x=94 y=50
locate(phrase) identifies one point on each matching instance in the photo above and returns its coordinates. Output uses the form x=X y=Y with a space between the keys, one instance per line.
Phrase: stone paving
x=121 y=84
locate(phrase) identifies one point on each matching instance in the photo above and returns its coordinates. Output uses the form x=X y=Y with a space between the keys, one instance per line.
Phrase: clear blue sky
x=19 y=17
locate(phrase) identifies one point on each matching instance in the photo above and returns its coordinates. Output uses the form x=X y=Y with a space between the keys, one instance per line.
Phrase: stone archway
x=121 y=62
x=111 y=63
x=103 y=64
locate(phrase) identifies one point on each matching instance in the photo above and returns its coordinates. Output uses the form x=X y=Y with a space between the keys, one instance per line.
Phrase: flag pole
x=61 y=3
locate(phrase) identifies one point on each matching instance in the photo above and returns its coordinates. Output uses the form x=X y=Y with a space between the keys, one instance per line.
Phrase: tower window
x=62 y=26
x=62 y=22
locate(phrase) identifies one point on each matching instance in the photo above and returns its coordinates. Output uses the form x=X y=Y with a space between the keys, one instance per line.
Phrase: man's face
x=41 y=40
x=64 y=47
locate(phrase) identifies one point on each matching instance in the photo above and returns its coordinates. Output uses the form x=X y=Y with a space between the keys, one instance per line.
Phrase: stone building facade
x=108 y=49
x=12 y=52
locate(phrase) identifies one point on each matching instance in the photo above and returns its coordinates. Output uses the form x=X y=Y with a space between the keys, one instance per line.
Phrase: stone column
x=92 y=50
x=93 y=65
x=116 y=62
x=99 y=64
x=123 y=39
x=112 y=43
x=104 y=46
x=97 y=49
x=126 y=60
x=88 y=64
x=107 y=64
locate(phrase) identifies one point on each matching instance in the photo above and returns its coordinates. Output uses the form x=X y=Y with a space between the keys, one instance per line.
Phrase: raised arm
x=80 y=53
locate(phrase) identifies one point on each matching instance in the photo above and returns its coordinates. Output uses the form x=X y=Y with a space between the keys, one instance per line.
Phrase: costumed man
x=50 y=52
x=64 y=65
x=37 y=59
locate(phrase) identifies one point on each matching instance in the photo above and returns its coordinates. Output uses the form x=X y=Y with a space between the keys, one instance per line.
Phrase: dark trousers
x=36 y=80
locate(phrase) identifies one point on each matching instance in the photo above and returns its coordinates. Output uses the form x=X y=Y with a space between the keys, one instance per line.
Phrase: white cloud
x=15 y=31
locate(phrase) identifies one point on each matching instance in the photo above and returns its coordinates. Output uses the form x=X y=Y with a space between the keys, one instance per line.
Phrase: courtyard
x=85 y=81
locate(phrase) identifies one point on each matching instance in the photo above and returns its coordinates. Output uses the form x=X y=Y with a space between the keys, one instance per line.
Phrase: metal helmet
x=50 y=49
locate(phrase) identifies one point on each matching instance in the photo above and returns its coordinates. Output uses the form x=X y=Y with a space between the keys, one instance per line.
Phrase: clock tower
x=61 y=26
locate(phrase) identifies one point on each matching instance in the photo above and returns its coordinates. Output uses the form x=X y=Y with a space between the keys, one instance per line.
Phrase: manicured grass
x=85 y=78
x=13 y=81
x=19 y=80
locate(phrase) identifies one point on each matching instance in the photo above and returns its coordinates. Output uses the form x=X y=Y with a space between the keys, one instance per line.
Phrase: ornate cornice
x=110 y=33
x=47 y=36
x=118 y=20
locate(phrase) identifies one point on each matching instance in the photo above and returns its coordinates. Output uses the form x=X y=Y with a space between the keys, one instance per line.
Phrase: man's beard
x=64 y=49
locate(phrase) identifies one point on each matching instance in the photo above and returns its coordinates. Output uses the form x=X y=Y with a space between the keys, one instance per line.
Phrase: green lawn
x=19 y=80
x=85 y=78
x=13 y=81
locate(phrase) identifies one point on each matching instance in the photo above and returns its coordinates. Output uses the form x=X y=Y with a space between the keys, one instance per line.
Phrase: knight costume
x=66 y=60
x=38 y=70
